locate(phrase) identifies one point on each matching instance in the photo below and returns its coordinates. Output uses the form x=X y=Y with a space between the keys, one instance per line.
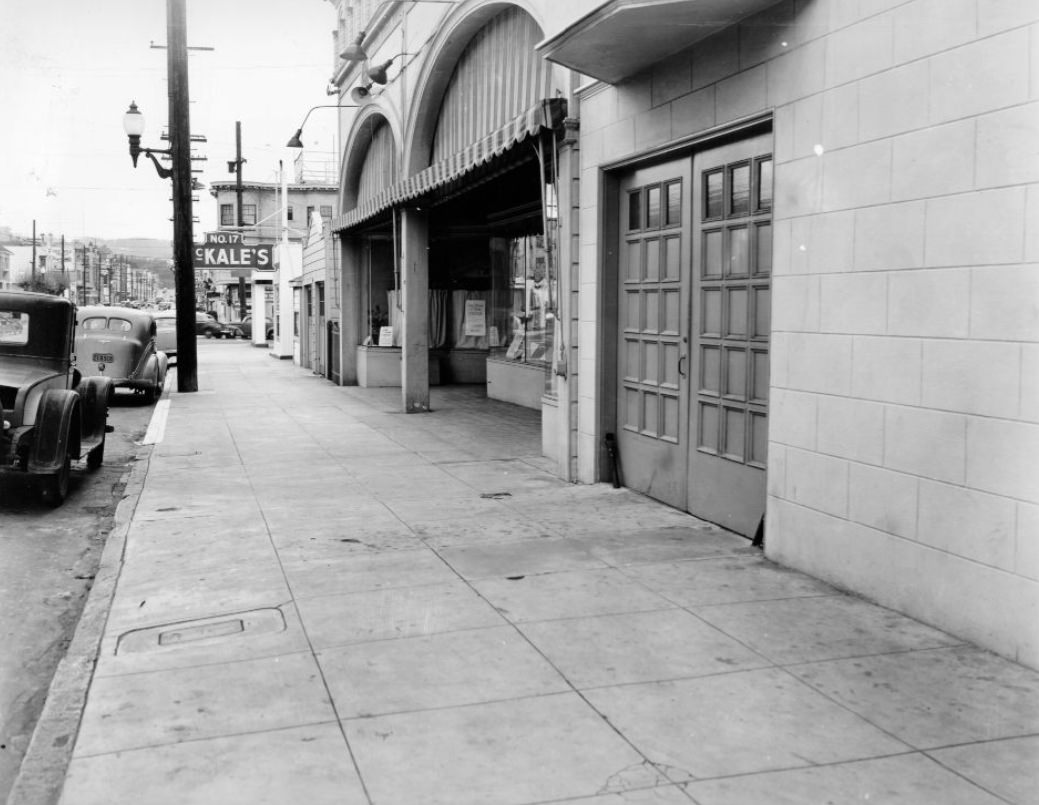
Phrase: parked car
x=166 y=332
x=119 y=343
x=52 y=415
x=244 y=328
x=210 y=327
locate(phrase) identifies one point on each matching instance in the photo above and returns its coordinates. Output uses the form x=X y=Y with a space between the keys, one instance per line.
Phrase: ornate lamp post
x=133 y=125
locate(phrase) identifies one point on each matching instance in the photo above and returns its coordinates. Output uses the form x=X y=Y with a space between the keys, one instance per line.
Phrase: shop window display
x=523 y=319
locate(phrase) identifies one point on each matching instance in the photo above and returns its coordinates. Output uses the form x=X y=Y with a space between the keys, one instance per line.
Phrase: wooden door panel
x=731 y=296
x=653 y=339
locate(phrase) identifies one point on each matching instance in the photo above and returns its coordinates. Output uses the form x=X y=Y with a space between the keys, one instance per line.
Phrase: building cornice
x=223 y=187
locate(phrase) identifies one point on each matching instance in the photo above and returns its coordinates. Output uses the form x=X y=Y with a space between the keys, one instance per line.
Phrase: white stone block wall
x=904 y=437
x=904 y=421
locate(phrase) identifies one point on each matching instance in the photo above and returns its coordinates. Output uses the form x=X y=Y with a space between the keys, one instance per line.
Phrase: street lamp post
x=180 y=172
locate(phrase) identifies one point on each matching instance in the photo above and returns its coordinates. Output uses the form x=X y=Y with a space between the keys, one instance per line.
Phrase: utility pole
x=180 y=153
x=236 y=168
x=33 y=276
x=238 y=171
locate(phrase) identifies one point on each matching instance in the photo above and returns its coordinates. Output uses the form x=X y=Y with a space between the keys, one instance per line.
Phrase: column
x=414 y=273
x=259 y=313
x=351 y=322
x=568 y=184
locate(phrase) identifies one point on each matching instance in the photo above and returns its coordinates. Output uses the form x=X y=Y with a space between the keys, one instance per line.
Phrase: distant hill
x=141 y=247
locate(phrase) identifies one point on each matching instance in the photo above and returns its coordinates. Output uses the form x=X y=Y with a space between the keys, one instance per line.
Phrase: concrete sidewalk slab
x=738 y=723
x=263 y=768
x=322 y=600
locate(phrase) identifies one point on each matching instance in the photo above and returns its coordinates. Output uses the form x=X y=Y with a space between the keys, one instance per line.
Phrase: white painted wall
x=290 y=266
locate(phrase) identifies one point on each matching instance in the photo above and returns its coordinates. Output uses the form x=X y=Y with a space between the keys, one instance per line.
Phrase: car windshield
x=14 y=327
x=112 y=325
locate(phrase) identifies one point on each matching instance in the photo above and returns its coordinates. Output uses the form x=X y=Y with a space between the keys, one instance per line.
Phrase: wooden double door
x=694 y=270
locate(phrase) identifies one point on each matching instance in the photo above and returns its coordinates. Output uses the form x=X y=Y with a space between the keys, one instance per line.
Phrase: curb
x=42 y=774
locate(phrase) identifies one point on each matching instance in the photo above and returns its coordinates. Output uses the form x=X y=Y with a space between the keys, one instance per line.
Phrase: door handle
x=680 y=359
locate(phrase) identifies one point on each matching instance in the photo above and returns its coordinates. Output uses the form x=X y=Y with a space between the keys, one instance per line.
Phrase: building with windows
x=780 y=256
x=311 y=197
x=5 y=268
x=261 y=208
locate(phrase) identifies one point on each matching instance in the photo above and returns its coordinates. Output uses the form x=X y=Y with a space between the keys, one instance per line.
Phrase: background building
x=5 y=268
x=312 y=196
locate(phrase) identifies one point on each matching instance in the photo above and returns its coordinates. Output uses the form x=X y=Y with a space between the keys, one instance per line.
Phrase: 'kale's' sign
x=228 y=252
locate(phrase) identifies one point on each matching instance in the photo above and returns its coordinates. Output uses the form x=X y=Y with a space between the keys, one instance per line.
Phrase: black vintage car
x=120 y=343
x=210 y=327
x=52 y=415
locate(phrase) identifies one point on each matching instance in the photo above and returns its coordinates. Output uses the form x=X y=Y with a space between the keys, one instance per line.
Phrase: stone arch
x=370 y=124
x=455 y=34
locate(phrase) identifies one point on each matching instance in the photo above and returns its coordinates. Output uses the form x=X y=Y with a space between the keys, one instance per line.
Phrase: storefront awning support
x=414 y=362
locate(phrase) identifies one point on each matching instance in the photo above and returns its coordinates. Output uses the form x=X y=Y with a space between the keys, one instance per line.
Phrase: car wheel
x=96 y=457
x=209 y=333
x=55 y=488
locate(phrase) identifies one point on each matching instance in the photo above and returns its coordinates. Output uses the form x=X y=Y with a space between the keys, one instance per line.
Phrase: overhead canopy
x=546 y=114
x=624 y=37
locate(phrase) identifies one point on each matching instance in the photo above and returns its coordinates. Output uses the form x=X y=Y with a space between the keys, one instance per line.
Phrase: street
x=49 y=557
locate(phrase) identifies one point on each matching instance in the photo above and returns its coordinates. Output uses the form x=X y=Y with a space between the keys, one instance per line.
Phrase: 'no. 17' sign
x=225 y=250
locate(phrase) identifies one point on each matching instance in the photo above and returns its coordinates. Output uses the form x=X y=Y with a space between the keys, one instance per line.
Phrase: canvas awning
x=546 y=114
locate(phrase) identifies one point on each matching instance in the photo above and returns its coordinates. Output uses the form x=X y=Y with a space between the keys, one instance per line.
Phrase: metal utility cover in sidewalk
x=170 y=635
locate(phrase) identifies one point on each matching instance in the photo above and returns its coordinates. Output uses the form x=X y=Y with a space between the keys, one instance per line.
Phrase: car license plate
x=103 y=357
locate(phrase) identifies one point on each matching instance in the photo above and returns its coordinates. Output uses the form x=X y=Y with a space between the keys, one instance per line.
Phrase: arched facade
x=496 y=77
x=475 y=180
x=468 y=32
x=371 y=159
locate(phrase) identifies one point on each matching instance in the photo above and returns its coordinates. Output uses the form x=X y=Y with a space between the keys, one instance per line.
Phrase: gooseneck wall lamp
x=379 y=74
x=361 y=93
x=295 y=141
x=355 y=52
x=133 y=125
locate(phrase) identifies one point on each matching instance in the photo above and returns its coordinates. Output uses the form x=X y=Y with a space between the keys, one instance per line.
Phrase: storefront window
x=524 y=299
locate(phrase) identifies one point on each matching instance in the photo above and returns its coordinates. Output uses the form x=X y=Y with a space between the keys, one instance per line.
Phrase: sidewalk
x=323 y=600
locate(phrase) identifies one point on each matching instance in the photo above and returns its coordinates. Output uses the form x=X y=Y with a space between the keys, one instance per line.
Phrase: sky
x=69 y=69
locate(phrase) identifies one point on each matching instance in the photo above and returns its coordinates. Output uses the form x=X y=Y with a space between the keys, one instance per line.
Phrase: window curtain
x=437 y=317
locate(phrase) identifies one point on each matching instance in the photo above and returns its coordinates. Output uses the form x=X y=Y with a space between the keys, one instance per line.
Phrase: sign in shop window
x=524 y=300
x=475 y=317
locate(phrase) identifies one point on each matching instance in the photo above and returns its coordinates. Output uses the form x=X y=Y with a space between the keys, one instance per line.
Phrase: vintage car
x=244 y=328
x=52 y=415
x=119 y=343
x=166 y=332
x=207 y=325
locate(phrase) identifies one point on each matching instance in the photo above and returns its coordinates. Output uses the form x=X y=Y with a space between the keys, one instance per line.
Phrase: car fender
x=56 y=433
x=152 y=368
x=164 y=365
x=27 y=401
x=94 y=394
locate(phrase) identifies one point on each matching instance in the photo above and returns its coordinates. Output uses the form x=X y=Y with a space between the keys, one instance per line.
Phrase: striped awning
x=546 y=114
